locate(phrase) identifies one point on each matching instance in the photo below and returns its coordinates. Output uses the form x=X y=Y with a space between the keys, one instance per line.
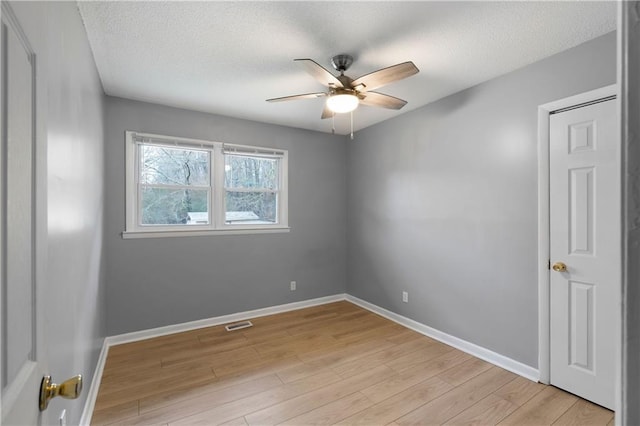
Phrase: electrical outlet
x=63 y=418
x=293 y=285
x=405 y=297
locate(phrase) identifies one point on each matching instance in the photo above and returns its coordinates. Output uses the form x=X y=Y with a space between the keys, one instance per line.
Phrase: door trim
x=544 y=111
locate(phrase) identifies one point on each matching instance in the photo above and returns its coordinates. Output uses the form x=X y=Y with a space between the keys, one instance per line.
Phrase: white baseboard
x=224 y=319
x=468 y=347
x=92 y=394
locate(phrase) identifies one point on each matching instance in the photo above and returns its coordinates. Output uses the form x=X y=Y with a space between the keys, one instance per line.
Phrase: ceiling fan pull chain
x=333 y=124
x=351 y=125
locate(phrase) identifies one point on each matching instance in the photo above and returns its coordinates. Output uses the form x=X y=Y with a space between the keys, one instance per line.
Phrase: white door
x=585 y=236
x=20 y=374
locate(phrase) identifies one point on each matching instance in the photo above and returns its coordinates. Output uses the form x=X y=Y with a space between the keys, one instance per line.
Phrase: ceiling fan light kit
x=344 y=94
x=342 y=102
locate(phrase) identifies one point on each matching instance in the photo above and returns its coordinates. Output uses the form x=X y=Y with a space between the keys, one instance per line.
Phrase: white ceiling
x=228 y=57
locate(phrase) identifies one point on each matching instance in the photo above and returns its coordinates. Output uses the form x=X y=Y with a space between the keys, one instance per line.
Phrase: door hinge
x=549 y=264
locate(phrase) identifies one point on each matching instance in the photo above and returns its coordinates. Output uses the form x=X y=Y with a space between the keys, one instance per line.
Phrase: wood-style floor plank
x=376 y=358
x=328 y=364
x=458 y=399
x=350 y=352
x=488 y=411
x=332 y=412
x=160 y=410
x=583 y=413
x=235 y=422
x=465 y=371
x=519 y=390
x=115 y=413
x=400 y=404
x=402 y=381
x=301 y=404
x=261 y=401
x=543 y=409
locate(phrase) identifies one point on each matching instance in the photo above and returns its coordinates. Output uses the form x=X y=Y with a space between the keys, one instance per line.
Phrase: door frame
x=628 y=411
x=544 y=237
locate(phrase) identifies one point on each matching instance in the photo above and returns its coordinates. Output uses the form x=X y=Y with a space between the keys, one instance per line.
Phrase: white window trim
x=217 y=225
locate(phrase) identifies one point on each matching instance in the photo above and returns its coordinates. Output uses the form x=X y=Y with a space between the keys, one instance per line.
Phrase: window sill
x=127 y=235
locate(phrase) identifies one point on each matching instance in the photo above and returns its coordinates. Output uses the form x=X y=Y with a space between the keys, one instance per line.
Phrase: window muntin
x=178 y=184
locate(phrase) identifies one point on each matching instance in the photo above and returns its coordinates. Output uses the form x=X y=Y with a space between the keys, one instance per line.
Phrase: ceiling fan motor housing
x=342 y=62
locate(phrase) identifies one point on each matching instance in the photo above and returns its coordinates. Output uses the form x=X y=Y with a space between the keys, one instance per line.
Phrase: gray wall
x=443 y=203
x=70 y=193
x=161 y=281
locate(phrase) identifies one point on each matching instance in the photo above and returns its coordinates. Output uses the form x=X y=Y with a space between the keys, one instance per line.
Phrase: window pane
x=173 y=166
x=251 y=208
x=246 y=172
x=162 y=206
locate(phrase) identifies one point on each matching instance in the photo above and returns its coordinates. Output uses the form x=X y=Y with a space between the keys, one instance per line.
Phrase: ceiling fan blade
x=326 y=112
x=318 y=72
x=384 y=76
x=296 y=97
x=381 y=100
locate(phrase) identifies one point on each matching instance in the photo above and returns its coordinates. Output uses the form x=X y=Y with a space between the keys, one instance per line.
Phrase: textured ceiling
x=228 y=57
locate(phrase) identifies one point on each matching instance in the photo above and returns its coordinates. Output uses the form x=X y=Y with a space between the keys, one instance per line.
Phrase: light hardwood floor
x=329 y=364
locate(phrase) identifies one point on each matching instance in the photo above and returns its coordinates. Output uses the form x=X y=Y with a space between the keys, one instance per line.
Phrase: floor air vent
x=238 y=325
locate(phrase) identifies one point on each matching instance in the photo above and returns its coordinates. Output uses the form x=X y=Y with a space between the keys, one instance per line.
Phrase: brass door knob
x=69 y=389
x=559 y=267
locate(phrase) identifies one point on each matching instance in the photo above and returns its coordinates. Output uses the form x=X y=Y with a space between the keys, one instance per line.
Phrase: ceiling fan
x=344 y=93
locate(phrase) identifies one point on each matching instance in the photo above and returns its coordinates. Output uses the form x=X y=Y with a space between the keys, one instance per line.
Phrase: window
x=178 y=186
x=173 y=182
